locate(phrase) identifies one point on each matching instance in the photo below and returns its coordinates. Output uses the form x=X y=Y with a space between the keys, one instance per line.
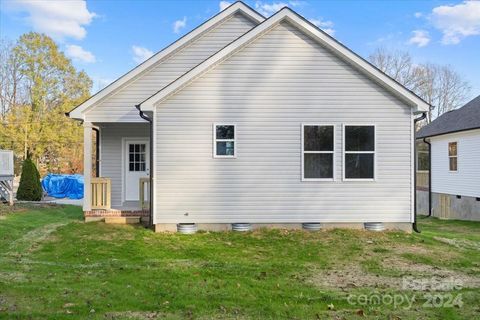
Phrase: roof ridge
x=329 y=42
x=238 y=6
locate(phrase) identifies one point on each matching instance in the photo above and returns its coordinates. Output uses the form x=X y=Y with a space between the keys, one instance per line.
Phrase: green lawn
x=52 y=265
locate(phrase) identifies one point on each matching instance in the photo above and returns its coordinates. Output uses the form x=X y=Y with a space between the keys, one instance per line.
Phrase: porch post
x=87 y=166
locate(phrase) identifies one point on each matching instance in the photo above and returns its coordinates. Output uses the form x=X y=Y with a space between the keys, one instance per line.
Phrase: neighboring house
x=454 y=139
x=262 y=121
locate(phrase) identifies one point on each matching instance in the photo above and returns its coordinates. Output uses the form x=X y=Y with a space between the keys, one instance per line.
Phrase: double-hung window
x=359 y=152
x=318 y=148
x=224 y=141
x=452 y=156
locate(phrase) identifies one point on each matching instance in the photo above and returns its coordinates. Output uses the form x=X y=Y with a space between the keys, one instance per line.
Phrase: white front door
x=137 y=165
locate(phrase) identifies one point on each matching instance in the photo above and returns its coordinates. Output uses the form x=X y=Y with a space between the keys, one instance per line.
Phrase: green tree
x=30 y=188
x=49 y=86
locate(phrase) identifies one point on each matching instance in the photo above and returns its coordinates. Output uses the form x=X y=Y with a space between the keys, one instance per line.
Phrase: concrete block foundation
x=449 y=206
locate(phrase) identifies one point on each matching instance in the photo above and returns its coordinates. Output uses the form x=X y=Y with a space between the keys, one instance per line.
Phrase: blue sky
x=108 y=38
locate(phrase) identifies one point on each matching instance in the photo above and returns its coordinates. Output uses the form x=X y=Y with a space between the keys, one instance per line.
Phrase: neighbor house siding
x=120 y=107
x=465 y=181
x=111 y=148
x=268 y=89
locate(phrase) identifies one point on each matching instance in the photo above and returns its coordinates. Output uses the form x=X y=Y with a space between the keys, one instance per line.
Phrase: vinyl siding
x=466 y=181
x=268 y=89
x=120 y=107
x=111 y=165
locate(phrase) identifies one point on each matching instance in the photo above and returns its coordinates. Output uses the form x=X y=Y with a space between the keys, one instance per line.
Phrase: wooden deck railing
x=101 y=193
x=422 y=179
x=144 y=186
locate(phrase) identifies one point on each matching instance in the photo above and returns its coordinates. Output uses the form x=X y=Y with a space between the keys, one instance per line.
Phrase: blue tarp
x=63 y=185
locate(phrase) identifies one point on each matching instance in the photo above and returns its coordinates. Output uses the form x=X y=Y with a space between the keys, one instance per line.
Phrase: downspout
x=147 y=118
x=414 y=225
x=429 y=177
x=97 y=151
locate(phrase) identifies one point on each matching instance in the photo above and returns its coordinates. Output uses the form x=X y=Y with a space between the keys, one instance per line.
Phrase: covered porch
x=117 y=172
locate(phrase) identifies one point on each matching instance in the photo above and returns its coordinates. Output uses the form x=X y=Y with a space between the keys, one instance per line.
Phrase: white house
x=262 y=121
x=454 y=140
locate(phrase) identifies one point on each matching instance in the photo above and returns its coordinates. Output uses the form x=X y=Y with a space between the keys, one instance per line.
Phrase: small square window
x=224 y=136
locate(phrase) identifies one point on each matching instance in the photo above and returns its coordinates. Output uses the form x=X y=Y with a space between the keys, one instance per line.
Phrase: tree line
x=38 y=85
x=439 y=85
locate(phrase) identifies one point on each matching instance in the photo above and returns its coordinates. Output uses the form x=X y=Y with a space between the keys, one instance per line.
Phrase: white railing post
x=142 y=183
x=87 y=166
x=101 y=193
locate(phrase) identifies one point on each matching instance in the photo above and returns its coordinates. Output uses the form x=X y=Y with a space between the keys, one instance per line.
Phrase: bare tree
x=440 y=85
x=11 y=93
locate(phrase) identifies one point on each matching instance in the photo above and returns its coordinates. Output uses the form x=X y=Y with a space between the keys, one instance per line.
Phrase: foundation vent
x=311 y=226
x=374 y=226
x=241 y=227
x=187 y=228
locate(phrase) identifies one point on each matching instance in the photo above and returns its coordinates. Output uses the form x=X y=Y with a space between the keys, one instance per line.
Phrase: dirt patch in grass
x=32 y=239
x=12 y=276
x=21 y=207
x=138 y=315
x=353 y=276
x=460 y=243
x=6 y=209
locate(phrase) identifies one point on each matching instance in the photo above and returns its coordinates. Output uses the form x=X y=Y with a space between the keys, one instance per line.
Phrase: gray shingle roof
x=464 y=118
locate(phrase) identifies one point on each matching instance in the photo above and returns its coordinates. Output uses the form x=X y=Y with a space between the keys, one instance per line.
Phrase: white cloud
x=420 y=38
x=179 y=25
x=457 y=21
x=418 y=14
x=326 y=26
x=58 y=19
x=224 y=5
x=77 y=53
x=103 y=82
x=267 y=9
x=141 y=54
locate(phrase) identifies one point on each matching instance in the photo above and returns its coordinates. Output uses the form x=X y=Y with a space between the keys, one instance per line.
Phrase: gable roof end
x=465 y=118
x=78 y=112
x=326 y=40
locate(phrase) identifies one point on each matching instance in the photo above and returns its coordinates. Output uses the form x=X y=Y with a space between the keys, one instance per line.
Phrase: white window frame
x=374 y=152
x=449 y=156
x=215 y=140
x=303 y=151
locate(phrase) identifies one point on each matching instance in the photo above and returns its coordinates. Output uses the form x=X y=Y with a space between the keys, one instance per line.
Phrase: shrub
x=30 y=188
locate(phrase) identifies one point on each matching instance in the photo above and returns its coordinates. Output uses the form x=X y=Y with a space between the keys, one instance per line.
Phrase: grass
x=52 y=265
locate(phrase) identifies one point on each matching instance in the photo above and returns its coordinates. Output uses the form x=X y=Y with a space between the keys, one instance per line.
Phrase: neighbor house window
x=224 y=141
x=359 y=152
x=318 y=147
x=452 y=156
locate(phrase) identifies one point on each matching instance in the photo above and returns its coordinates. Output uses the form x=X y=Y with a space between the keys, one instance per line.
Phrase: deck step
x=122 y=220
